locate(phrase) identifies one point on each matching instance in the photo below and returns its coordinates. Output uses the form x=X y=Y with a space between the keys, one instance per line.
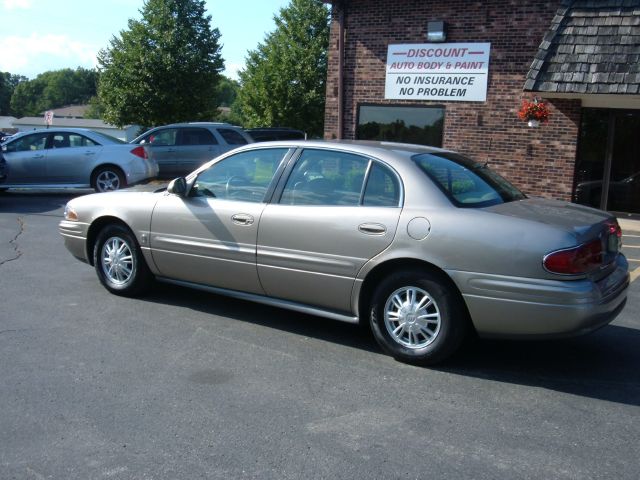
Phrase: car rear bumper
x=142 y=171
x=515 y=307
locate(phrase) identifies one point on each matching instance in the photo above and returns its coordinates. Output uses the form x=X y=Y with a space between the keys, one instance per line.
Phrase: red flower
x=533 y=110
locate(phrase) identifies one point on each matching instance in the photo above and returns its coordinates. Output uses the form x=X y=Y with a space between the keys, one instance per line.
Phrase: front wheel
x=416 y=318
x=108 y=179
x=119 y=263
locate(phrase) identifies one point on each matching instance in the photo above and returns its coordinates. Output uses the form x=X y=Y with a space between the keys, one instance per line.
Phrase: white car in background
x=74 y=158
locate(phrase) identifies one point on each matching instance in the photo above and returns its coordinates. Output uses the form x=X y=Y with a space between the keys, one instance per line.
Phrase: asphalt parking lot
x=183 y=385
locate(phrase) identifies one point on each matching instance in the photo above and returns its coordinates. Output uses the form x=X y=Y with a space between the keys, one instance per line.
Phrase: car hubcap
x=108 y=181
x=117 y=261
x=412 y=317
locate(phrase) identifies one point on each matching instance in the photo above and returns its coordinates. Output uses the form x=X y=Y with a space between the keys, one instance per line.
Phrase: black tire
x=426 y=330
x=119 y=263
x=108 y=179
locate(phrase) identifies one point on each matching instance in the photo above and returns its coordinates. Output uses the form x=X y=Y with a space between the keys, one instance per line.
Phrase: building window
x=420 y=125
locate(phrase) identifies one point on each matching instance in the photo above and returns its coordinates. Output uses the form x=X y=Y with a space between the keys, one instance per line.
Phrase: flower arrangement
x=533 y=112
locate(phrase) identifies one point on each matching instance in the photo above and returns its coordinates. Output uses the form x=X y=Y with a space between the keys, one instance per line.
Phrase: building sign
x=438 y=71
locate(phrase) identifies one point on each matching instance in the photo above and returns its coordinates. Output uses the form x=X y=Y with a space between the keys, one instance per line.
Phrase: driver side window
x=244 y=176
x=37 y=141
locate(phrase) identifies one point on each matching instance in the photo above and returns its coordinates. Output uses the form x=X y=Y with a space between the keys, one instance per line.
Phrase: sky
x=41 y=35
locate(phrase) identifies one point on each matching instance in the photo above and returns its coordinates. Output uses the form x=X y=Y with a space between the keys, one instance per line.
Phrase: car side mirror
x=178 y=186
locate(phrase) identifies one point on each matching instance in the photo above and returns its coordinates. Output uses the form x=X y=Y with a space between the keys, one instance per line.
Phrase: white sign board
x=438 y=71
x=48 y=117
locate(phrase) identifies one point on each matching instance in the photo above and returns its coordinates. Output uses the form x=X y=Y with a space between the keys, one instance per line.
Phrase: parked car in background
x=3 y=169
x=74 y=158
x=422 y=244
x=4 y=136
x=180 y=148
x=268 y=134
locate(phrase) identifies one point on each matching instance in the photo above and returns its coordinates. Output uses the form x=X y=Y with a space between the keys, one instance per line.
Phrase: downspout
x=341 y=16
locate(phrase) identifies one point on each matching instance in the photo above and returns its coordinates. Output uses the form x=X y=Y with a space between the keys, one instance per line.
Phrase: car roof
x=53 y=129
x=365 y=147
x=198 y=124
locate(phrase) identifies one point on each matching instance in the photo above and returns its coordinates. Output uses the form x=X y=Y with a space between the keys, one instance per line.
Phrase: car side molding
x=273 y=302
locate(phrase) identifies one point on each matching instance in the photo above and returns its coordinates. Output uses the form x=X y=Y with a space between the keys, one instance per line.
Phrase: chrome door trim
x=274 y=302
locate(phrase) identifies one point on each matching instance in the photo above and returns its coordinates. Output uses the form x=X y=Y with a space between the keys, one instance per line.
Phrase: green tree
x=227 y=92
x=165 y=68
x=8 y=83
x=283 y=83
x=53 y=89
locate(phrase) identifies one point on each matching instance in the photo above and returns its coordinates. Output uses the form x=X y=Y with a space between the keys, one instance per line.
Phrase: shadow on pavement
x=37 y=201
x=602 y=365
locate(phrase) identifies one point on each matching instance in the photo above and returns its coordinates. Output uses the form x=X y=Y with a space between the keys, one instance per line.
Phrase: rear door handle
x=372 y=228
x=89 y=153
x=242 y=219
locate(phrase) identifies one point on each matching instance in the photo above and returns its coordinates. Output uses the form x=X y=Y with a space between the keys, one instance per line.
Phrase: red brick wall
x=538 y=160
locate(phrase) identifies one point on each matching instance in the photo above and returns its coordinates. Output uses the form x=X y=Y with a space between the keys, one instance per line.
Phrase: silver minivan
x=180 y=148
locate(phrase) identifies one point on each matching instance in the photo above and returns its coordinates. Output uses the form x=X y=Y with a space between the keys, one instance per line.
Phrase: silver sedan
x=423 y=245
x=74 y=157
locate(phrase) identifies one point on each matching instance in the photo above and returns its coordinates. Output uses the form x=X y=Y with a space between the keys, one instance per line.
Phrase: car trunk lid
x=585 y=224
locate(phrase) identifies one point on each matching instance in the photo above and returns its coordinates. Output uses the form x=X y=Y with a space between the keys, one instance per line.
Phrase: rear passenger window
x=325 y=177
x=197 y=136
x=76 y=140
x=232 y=137
x=382 y=188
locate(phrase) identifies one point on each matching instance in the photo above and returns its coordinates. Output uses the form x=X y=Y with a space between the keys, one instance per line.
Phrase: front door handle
x=242 y=219
x=372 y=228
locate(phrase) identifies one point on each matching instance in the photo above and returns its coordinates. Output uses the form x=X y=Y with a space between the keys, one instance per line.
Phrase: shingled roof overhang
x=591 y=52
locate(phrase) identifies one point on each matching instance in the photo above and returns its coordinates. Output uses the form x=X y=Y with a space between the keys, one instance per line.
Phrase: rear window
x=197 y=136
x=232 y=137
x=465 y=182
x=108 y=138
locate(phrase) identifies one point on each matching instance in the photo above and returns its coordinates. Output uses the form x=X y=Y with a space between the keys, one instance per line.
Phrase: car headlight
x=70 y=213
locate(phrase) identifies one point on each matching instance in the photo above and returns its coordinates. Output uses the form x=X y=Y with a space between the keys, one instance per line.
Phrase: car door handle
x=89 y=153
x=372 y=228
x=38 y=156
x=242 y=219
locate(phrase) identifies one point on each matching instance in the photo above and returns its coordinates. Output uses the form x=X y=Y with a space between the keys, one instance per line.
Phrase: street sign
x=48 y=117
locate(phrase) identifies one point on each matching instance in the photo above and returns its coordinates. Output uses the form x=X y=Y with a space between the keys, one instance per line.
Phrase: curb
x=629 y=225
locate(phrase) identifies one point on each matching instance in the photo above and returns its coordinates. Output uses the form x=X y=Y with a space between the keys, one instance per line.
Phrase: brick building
x=464 y=68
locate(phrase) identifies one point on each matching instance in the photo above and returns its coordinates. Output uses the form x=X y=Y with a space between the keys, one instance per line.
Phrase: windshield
x=465 y=182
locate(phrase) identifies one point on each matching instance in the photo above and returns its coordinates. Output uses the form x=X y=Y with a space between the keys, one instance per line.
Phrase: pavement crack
x=14 y=243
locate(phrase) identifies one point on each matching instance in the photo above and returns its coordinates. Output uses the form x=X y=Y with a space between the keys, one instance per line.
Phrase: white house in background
x=6 y=123
x=127 y=133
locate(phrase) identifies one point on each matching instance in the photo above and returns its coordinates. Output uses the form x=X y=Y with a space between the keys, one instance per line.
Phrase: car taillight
x=139 y=151
x=575 y=261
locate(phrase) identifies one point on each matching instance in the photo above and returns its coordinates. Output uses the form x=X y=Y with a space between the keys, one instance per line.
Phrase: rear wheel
x=416 y=318
x=119 y=263
x=107 y=179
